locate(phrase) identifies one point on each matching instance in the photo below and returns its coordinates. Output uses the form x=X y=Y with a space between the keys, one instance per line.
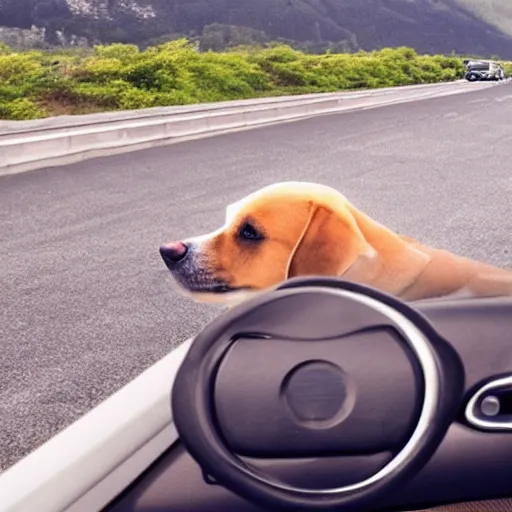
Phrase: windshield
x=484 y=66
x=128 y=127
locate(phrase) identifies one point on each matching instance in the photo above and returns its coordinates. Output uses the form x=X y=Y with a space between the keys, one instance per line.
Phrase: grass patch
x=36 y=84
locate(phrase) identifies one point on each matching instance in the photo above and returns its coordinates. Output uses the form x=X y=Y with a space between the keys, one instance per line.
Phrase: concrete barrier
x=30 y=145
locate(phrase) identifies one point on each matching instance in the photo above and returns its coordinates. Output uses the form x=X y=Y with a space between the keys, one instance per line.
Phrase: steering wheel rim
x=194 y=414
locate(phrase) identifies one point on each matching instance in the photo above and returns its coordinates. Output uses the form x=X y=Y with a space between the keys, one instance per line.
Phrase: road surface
x=85 y=301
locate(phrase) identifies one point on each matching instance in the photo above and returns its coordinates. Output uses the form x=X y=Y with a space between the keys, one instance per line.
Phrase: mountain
x=430 y=26
x=495 y=12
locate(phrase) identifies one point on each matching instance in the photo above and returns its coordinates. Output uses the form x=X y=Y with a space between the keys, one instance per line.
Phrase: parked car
x=483 y=70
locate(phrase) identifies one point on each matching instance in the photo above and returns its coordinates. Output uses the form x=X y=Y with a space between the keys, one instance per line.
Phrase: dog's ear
x=330 y=243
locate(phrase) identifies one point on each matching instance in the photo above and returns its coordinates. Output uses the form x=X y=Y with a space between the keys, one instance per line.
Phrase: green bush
x=507 y=67
x=98 y=70
x=20 y=109
x=108 y=95
x=4 y=49
x=121 y=52
x=160 y=72
x=119 y=76
x=20 y=69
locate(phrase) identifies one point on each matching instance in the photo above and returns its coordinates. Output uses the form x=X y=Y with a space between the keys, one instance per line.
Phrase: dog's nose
x=173 y=252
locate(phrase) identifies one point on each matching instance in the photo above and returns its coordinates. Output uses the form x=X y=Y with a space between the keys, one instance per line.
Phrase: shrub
x=4 y=49
x=20 y=109
x=120 y=76
x=20 y=69
x=121 y=52
x=99 y=70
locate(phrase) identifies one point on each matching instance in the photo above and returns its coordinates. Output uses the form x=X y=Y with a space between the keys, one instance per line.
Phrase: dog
x=293 y=229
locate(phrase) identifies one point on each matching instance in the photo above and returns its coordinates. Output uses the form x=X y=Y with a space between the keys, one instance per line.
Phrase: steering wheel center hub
x=319 y=394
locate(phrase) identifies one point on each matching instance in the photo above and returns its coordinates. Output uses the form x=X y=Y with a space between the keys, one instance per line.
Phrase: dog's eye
x=249 y=232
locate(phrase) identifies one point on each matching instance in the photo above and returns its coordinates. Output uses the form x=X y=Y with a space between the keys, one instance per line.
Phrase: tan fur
x=312 y=229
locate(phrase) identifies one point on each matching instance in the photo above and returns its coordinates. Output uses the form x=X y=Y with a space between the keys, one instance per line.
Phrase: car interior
x=328 y=395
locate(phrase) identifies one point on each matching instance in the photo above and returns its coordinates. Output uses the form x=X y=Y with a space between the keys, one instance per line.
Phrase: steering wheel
x=340 y=368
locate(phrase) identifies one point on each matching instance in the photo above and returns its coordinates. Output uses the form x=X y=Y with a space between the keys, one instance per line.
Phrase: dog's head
x=281 y=231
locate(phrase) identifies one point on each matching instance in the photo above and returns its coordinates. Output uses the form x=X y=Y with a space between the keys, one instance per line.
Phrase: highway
x=86 y=302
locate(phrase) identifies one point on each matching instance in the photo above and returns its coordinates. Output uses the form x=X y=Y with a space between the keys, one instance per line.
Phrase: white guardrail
x=29 y=145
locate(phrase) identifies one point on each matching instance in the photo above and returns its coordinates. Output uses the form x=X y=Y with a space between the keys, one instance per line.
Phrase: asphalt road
x=85 y=301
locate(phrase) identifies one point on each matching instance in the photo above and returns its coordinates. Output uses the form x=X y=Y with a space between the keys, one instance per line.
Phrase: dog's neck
x=401 y=266
x=391 y=264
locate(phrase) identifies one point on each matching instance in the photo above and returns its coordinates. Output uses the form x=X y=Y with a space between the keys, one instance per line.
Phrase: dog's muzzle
x=187 y=266
x=189 y=269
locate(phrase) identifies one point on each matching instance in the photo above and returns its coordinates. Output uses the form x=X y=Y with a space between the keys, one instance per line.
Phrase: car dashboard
x=304 y=398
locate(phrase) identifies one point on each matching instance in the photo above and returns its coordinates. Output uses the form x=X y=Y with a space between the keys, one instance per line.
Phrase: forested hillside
x=429 y=26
